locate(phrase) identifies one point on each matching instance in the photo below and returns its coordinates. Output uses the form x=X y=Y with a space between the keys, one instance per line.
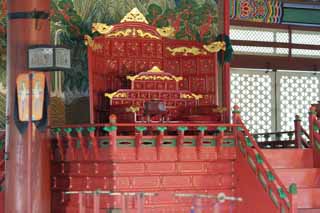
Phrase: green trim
x=262 y=180
x=202 y=128
x=270 y=176
x=259 y=159
x=248 y=142
x=252 y=164
x=1 y=144
x=282 y=194
x=109 y=128
x=242 y=148
x=150 y=142
x=104 y=143
x=67 y=130
x=192 y=140
x=273 y=198
x=222 y=128
x=293 y=189
x=228 y=142
x=173 y=142
x=162 y=128
x=91 y=129
x=141 y=129
x=57 y=130
x=131 y=142
x=315 y=127
x=240 y=128
x=212 y=142
x=80 y=129
x=182 y=128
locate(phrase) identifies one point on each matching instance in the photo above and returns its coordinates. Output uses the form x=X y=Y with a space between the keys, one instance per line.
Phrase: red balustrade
x=251 y=157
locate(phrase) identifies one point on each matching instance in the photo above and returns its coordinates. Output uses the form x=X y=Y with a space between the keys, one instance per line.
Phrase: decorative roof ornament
x=134 y=16
x=155 y=69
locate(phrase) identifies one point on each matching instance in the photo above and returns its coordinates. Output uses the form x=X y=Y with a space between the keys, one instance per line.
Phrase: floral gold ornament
x=101 y=28
x=90 y=42
x=215 y=46
x=168 y=32
x=134 y=16
x=186 y=50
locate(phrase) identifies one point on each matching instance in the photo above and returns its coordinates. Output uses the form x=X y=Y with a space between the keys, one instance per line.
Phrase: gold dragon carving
x=190 y=96
x=215 y=46
x=101 y=28
x=186 y=50
x=90 y=42
x=143 y=34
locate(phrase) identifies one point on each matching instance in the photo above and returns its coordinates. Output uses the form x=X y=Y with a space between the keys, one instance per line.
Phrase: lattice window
x=296 y=93
x=252 y=92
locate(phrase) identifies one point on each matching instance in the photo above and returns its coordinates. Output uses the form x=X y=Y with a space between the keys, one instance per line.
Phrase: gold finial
x=155 y=69
x=134 y=16
x=101 y=28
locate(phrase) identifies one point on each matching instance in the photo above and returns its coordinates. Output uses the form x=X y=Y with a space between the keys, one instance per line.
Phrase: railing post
x=294 y=197
x=160 y=137
x=236 y=115
x=297 y=131
x=181 y=130
x=96 y=202
x=138 y=141
x=200 y=137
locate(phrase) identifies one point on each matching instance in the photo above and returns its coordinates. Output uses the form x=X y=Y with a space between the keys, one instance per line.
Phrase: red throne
x=132 y=47
x=155 y=84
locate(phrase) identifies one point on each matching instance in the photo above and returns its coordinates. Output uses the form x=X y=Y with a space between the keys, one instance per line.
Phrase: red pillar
x=226 y=66
x=24 y=29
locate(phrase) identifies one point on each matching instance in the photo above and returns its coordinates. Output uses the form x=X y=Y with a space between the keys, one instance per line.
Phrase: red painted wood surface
x=21 y=34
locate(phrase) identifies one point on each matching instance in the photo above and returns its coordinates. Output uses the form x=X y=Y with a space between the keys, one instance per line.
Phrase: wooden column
x=226 y=65
x=28 y=24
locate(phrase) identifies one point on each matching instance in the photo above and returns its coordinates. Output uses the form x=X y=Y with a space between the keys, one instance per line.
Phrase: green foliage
x=3 y=41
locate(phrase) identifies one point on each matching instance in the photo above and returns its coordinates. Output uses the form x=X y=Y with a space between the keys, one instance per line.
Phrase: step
x=308 y=198
x=289 y=158
x=303 y=177
x=308 y=210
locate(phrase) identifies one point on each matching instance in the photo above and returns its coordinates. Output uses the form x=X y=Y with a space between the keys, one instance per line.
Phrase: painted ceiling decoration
x=267 y=11
x=276 y=12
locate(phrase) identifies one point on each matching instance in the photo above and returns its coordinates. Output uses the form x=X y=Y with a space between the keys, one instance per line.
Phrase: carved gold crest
x=134 y=16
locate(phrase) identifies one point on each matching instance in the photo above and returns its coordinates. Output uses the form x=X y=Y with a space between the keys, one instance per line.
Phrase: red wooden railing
x=299 y=138
x=284 y=200
x=137 y=135
x=314 y=131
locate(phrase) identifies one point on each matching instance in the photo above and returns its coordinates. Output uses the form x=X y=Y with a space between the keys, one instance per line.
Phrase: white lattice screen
x=297 y=91
x=270 y=101
x=252 y=92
